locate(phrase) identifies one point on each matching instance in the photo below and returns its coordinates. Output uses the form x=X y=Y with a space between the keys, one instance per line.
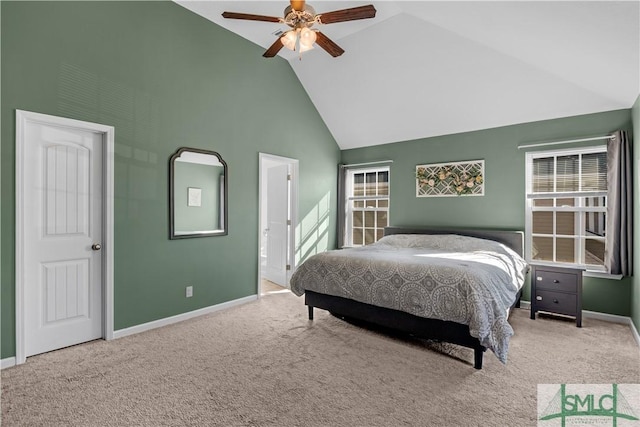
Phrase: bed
x=450 y=285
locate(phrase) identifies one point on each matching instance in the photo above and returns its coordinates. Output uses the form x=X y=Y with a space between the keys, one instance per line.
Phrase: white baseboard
x=11 y=361
x=8 y=362
x=636 y=335
x=525 y=305
x=614 y=318
x=181 y=317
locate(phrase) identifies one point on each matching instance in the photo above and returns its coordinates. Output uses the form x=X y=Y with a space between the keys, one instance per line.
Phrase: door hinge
x=289 y=177
x=288 y=267
x=288 y=222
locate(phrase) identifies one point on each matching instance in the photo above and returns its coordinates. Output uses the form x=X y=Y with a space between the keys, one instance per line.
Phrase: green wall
x=635 y=296
x=503 y=205
x=165 y=78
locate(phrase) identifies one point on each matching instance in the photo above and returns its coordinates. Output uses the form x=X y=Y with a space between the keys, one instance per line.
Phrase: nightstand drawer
x=556 y=281
x=556 y=302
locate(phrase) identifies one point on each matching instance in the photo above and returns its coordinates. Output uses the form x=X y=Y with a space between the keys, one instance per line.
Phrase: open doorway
x=278 y=213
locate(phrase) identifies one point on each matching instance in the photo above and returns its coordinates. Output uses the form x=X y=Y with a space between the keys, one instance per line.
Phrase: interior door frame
x=293 y=209
x=23 y=118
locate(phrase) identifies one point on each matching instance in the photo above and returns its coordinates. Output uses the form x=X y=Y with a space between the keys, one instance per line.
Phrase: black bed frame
x=434 y=329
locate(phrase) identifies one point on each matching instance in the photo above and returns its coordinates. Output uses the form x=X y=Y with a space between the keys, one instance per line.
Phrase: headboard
x=513 y=239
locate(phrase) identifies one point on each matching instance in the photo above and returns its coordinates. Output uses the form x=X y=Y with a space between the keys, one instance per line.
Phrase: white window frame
x=579 y=195
x=349 y=198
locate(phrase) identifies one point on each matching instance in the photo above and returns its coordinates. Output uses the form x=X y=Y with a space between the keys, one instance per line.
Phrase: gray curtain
x=342 y=170
x=619 y=234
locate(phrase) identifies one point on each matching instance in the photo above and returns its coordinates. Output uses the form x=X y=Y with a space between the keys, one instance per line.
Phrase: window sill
x=602 y=275
x=585 y=272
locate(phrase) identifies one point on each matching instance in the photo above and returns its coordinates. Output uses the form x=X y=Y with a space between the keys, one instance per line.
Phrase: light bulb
x=289 y=40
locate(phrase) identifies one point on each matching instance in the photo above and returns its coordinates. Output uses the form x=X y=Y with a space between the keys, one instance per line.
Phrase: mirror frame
x=225 y=226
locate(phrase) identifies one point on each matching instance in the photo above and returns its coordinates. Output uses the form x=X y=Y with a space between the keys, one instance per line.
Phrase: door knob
x=96 y=246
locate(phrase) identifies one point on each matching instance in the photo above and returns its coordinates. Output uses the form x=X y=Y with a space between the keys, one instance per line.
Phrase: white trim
x=606 y=317
x=602 y=275
x=635 y=333
x=293 y=207
x=7 y=363
x=18 y=250
x=569 y=141
x=108 y=132
x=295 y=173
x=555 y=153
x=530 y=156
x=613 y=318
x=348 y=206
x=108 y=223
x=181 y=317
x=357 y=165
x=588 y=270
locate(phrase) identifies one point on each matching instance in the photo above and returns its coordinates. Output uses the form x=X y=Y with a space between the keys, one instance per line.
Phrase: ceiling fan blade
x=329 y=45
x=297 y=5
x=360 y=12
x=273 y=49
x=250 y=17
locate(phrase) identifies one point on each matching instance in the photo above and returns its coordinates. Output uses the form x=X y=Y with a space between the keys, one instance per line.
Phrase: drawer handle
x=539 y=279
x=556 y=281
x=539 y=298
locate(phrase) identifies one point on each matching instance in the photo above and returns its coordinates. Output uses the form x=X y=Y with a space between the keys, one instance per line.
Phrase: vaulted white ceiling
x=426 y=68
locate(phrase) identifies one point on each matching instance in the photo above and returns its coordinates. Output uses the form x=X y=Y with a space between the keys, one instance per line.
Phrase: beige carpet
x=264 y=364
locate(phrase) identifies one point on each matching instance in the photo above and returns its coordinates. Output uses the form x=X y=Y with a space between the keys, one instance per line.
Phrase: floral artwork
x=450 y=179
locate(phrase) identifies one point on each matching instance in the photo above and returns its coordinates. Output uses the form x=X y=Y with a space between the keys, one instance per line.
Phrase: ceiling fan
x=301 y=17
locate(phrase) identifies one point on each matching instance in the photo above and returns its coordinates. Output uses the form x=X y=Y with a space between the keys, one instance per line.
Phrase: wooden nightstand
x=557 y=290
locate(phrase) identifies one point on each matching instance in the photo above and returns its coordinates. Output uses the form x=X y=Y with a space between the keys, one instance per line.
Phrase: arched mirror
x=197 y=194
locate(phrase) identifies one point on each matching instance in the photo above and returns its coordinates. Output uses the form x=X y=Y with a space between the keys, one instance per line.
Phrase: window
x=367 y=205
x=566 y=207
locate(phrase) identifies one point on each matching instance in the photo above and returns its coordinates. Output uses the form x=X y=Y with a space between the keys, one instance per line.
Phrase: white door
x=277 y=227
x=62 y=236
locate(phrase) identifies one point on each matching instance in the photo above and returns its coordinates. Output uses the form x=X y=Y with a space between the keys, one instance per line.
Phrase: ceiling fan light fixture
x=300 y=17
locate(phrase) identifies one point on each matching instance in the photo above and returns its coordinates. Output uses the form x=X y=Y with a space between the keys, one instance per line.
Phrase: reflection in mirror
x=197 y=194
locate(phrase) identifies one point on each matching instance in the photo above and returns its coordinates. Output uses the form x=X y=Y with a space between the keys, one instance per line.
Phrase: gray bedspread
x=448 y=277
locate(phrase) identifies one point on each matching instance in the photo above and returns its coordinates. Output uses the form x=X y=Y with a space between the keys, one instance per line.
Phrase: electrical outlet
x=189 y=292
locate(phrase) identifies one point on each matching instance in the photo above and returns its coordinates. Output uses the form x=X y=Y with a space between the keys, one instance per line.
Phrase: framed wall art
x=194 y=197
x=450 y=179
